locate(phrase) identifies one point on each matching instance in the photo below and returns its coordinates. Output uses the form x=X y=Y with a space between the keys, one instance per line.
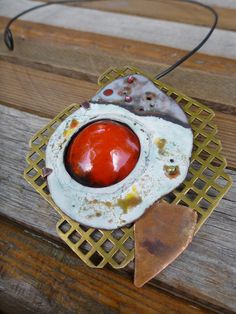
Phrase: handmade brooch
x=134 y=172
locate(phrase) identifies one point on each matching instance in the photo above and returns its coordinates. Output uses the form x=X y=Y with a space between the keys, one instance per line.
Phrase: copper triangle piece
x=161 y=235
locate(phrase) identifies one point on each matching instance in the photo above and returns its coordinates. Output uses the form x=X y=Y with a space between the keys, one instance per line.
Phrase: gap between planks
x=206 y=271
x=47 y=94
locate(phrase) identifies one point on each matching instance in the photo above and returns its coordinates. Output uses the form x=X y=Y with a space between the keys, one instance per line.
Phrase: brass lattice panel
x=202 y=190
x=98 y=247
x=206 y=182
x=95 y=247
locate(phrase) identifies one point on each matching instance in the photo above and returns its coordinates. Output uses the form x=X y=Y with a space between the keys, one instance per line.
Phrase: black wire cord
x=194 y=50
x=9 y=41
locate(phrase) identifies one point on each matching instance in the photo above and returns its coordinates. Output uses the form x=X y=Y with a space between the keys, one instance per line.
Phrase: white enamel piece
x=122 y=203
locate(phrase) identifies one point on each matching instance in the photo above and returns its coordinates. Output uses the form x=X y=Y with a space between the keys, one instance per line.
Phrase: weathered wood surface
x=48 y=93
x=85 y=56
x=211 y=254
x=47 y=37
x=38 y=276
x=129 y=27
x=52 y=67
x=168 y=11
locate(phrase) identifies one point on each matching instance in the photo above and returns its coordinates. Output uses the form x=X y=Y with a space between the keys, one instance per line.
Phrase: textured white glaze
x=100 y=207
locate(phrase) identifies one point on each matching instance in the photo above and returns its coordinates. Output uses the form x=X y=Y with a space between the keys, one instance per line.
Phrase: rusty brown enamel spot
x=74 y=123
x=161 y=235
x=171 y=171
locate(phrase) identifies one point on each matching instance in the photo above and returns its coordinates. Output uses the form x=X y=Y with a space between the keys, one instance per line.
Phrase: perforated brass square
x=204 y=187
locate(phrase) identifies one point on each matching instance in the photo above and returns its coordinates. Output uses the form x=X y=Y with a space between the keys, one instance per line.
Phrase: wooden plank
x=129 y=27
x=218 y=92
x=172 y=5
x=176 y=11
x=39 y=276
x=46 y=94
x=83 y=55
x=47 y=44
x=205 y=272
x=226 y=133
x=30 y=88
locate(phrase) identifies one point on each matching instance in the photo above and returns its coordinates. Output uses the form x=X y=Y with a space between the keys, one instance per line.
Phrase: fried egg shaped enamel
x=111 y=161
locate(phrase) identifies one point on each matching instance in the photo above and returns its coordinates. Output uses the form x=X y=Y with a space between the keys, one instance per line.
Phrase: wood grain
x=46 y=94
x=82 y=55
x=53 y=66
x=39 y=276
x=226 y=124
x=205 y=272
x=127 y=26
x=230 y=4
x=168 y=11
x=42 y=43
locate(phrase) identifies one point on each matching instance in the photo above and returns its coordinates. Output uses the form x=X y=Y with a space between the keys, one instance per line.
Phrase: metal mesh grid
x=95 y=247
x=98 y=247
x=206 y=182
x=202 y=190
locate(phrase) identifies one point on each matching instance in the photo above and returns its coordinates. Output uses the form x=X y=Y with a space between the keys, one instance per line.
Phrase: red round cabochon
x=102 y=153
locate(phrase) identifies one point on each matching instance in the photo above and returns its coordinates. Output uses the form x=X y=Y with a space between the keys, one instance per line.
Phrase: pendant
x=126 y=159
